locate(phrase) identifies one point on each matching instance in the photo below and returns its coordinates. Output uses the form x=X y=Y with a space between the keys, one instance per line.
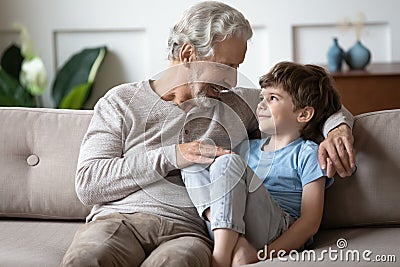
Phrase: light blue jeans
x=237 y=200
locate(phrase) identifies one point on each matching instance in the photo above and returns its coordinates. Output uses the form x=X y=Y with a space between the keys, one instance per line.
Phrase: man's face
x=220 y=71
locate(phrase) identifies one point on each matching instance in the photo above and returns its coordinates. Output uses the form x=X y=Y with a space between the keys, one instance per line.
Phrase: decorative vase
x=335 y=56
x=358 y=56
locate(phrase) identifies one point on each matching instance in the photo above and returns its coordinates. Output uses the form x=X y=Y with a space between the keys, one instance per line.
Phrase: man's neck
x=172 y=84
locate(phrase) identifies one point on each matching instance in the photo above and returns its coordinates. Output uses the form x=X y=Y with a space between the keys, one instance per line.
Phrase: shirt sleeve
x=104 y=172
x=342 y=116
x=309 y=169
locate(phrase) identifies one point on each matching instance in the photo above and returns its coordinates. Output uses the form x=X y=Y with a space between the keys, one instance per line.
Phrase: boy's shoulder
x=300 y=146
x=308 y=165
x=309 y=146
x=307 y=151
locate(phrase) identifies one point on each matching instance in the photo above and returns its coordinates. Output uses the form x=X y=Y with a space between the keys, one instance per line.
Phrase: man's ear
x=187 y=53
x=305 y=114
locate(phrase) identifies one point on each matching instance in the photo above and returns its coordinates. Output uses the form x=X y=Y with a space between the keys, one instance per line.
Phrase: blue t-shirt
x=286 y=171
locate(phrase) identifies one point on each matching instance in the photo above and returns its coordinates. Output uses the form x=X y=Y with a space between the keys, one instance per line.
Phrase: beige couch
x=39 y=210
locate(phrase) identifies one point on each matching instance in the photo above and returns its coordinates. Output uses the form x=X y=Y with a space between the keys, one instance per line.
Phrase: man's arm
x=336 y=152
x=307 y=225
x=104 y=172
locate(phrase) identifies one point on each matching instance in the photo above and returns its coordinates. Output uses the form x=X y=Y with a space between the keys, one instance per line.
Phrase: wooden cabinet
x=375 y=88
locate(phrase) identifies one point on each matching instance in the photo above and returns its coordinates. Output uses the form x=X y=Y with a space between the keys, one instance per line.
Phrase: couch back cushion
x=372 y=195
x=39 y=149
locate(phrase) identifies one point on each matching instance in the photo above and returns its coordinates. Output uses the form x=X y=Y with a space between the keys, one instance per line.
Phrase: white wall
x=135 y=32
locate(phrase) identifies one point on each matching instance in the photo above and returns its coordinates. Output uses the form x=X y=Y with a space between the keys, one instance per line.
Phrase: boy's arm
x=307 y=225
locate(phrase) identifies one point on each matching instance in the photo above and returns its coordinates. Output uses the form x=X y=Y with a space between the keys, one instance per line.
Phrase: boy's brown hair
x=308 y=85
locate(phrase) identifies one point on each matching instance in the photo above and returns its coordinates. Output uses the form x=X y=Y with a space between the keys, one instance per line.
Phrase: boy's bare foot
x=243 y=253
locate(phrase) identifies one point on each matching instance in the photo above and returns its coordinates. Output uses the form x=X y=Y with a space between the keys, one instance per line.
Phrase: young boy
x=286 y=212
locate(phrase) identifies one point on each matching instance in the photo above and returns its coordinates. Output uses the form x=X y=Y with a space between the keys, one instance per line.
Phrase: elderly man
x=143 y=133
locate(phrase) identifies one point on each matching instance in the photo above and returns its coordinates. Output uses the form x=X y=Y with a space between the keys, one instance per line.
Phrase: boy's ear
x=305 y=114
x=187 y=53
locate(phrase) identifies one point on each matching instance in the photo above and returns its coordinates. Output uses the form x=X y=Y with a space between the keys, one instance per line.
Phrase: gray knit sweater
x=127 y=161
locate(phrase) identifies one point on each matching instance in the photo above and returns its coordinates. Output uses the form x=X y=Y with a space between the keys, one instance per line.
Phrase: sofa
x=40 y=212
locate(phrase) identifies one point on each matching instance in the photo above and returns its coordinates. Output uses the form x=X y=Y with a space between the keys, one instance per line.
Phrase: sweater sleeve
x=104 y=172
x=342 y=116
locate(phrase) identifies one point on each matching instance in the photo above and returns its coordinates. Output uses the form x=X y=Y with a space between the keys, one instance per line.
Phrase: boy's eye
x=273 y=98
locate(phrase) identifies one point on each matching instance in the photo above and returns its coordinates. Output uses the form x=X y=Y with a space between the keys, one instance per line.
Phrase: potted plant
x=23 y=76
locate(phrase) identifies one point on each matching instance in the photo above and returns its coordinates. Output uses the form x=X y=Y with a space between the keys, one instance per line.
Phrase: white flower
x=33 y=75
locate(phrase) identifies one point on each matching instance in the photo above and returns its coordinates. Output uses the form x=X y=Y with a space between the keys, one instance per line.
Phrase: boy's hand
x=336 y=153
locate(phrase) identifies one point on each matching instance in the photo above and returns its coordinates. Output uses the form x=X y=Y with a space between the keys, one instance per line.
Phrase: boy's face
x=275 y=113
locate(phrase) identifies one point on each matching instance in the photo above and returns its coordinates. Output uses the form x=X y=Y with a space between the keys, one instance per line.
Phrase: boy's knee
x=227 y=163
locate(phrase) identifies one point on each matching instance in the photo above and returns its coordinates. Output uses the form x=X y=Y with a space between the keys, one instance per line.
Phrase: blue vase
x=335 y=56
x=358 y=56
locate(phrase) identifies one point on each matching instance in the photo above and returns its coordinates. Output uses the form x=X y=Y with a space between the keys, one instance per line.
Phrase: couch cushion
x=371 y=196
x=39 y=152
x=35 y=243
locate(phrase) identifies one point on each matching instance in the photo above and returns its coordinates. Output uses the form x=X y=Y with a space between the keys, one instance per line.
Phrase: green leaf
x=76 y=97
x=80 y=69
x=12 y=94
x=11 y=61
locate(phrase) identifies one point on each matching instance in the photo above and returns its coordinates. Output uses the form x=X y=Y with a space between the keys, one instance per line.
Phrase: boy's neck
x=279 y=141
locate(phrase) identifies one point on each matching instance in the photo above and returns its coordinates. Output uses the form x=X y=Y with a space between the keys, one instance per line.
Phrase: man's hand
x=197 y=152
x=336 y=153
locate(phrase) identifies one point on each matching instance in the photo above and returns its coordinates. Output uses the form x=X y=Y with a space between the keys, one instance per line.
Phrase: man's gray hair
x=204 y=24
